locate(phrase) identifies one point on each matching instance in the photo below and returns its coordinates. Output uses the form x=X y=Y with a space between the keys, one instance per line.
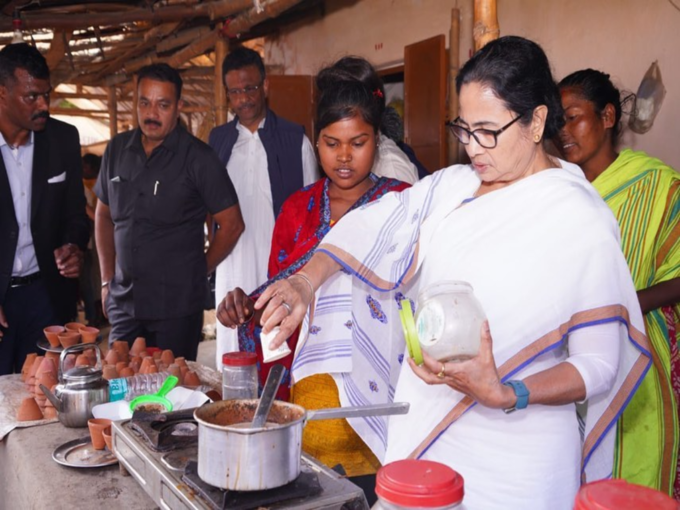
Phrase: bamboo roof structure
x=94 y=48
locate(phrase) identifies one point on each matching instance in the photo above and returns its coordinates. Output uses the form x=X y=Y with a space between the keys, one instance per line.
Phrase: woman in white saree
x=541 y=250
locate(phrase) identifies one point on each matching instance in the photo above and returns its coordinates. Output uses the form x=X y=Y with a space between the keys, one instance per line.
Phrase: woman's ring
x=287 y=307
x=441 y=373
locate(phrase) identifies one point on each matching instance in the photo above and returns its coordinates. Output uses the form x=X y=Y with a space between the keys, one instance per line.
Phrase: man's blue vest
x=282 y=142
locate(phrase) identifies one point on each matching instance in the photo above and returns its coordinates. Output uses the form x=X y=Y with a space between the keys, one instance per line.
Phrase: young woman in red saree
x=348 y=118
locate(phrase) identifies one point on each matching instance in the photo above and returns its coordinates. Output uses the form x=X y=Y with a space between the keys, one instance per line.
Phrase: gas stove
x=160 y=452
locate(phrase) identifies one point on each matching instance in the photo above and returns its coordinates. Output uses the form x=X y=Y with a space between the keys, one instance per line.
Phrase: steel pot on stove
x=234 y=456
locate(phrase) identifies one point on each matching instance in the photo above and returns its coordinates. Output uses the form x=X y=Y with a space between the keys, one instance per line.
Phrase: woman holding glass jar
x=541 y=250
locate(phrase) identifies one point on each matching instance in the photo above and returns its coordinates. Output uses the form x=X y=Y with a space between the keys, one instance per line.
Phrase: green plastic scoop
x=158 y=398
x=409 y=325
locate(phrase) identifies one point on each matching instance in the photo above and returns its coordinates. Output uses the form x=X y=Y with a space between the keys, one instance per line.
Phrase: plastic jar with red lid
x=621 y=495
x=418 y=485
x=239 y=375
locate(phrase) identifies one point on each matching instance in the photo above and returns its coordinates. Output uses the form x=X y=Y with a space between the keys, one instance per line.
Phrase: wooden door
x=292 y=97
x=425 y=101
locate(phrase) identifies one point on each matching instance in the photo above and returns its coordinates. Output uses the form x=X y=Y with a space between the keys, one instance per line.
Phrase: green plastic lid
x=409 y=325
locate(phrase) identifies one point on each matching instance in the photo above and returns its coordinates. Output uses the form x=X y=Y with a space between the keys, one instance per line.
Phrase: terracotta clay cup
x=109 y=372
x=29 y=410
x=175 y=370
x=52 y=334
x=54 y=356
x=34 y=368
x=184 y=370
x=89 y=334
x=74 y=326
x=83 y=361
x=48 y=379
x=111 y=357
x=50 y=413
x=69 y=338
x=146 y=364
x=191 y=380
x=121 y=365
x=138 y=346
x=27 y=365
x=122 y=348
x=108 y=438
x=181 y=361
x=97 y=427
x=167 y=357
x=69 y=362
x=46 y=365
x=30 y=377
x=126 y=372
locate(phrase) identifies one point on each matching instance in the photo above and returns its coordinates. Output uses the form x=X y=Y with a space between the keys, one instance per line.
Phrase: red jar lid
x=239 y=359
x=151 y=350
x=419 y=483
x=621 y=495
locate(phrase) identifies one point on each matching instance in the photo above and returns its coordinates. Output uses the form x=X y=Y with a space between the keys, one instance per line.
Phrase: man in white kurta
x=267 y=158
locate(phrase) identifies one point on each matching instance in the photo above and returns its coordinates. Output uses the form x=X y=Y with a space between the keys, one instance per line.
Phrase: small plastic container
x=128 y=388
x=449 y=321
x=239 y=375
x=418 y=485
x=621 y=495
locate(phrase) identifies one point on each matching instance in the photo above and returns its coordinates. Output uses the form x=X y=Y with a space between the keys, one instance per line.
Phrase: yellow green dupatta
x=644 y=194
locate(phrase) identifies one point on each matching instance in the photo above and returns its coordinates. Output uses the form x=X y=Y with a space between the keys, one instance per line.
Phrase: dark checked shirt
x=158 y=206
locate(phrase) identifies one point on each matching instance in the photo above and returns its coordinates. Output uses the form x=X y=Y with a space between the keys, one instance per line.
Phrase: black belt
x=20 y=281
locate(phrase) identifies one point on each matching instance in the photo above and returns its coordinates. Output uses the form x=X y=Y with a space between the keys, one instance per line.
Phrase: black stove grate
x=304 y=486
x=167 y=431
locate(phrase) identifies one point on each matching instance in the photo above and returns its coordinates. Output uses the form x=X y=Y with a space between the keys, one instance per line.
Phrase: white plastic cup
x=268 y=355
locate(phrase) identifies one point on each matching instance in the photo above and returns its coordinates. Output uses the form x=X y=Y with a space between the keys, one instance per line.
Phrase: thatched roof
x=93 y=49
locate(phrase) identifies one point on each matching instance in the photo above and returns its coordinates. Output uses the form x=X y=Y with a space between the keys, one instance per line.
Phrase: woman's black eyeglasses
x=487 y=138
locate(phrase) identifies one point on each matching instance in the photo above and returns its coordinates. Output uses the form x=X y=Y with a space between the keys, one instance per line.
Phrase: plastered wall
x=621 y=37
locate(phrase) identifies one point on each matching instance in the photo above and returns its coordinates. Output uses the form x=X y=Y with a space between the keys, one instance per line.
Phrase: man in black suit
x=43 y=226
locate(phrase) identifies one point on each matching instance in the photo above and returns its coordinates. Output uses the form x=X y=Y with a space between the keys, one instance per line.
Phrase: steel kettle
x=79 y=389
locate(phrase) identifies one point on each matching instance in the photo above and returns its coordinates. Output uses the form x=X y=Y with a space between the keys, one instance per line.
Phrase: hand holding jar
x=476 y=377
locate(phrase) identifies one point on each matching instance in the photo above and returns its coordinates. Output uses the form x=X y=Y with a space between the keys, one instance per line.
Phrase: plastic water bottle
x=127 y=388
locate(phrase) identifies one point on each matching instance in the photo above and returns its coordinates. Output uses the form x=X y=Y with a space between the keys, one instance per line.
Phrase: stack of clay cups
x=125 y=361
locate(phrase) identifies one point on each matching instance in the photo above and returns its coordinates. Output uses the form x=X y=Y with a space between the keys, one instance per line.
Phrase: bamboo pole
x=454 y=66
x=485 y=25
x=181 y=38
x=220 y=91
x=270 y=9
x=135 y=119
x=198 y=47
x=212 y=10
x=113 y=112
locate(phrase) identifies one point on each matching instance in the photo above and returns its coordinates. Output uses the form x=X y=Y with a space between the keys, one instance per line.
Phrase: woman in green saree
x=644 y=194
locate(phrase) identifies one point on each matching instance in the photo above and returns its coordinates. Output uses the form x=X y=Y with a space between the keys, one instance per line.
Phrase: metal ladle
x=268 y=394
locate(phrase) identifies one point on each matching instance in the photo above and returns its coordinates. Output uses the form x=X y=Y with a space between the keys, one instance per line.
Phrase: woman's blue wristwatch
x=522 y=394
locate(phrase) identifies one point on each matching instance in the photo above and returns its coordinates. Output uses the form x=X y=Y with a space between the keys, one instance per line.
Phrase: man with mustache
x=268 y=158
x=156 y=185
x=43 y=226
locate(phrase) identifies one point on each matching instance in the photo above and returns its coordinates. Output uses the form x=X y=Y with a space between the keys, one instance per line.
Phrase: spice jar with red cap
x=239 y=375
x=621 y=495
x=418 y=484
